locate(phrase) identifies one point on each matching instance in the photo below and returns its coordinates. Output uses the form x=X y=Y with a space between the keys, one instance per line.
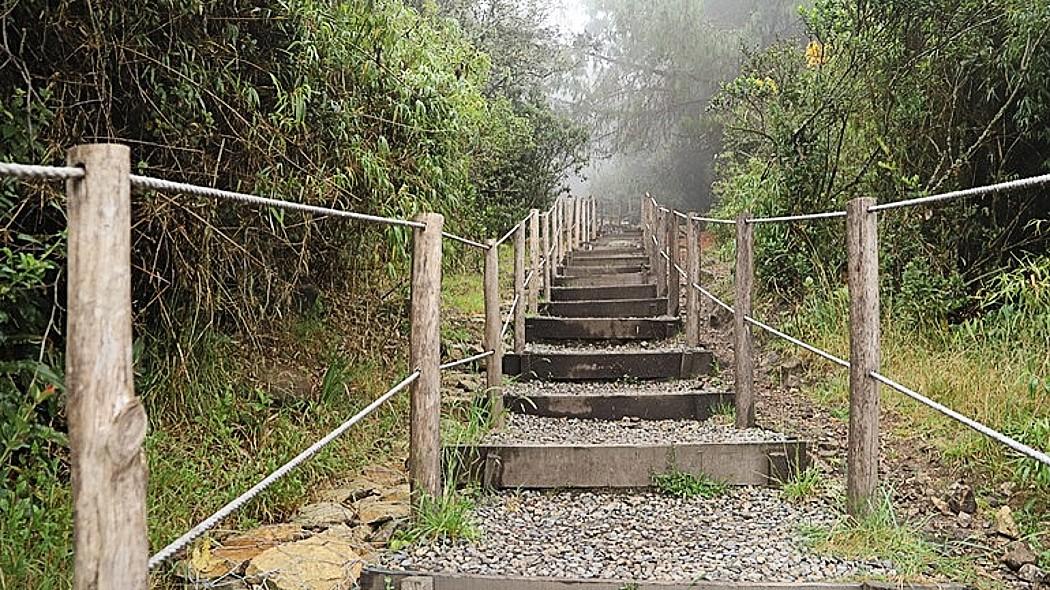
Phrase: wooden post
x=534 y=261
x=674 y=280
x=577 y=223
x=493 y=327
x=425 y=356
x=742 y=343
x=548 y=257
x=644 y=222
x=661 y=243
x=692 y=271
x=862 y=462
x=107 y=422
x=519 y=288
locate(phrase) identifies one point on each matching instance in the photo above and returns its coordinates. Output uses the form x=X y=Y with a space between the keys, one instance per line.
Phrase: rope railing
x=510 y=317
x=468 y=360
x=463 y=240
x=31 y=171
x=207 y=524
x=161 y=185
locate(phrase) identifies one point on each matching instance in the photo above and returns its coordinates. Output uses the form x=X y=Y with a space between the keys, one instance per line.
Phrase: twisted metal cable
x=985 y=430
x=510 y=317
x=970 y=192
x=507 y=235
x=30 y=171
x=210 y=522
x=463 y=240
x=469 y=359
x=804 y=217
x=157 y=184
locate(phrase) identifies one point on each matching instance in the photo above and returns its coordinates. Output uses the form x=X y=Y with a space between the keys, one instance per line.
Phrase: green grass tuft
x=682 y=484
x=806 y=484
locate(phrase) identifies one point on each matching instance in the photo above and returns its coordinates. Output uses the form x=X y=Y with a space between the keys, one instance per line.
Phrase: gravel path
x=525 y=429
x=585 y=346
x=706 y=384
x=748 y=534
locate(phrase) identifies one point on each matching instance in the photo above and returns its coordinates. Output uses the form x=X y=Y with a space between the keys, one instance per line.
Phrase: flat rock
x=323 y=562
x=1018 y=555
x=207 y=563
x=323 y=515
x=374 y=511
x=1005 y=524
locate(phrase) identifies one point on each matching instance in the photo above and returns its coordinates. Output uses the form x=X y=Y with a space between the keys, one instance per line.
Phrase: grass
x=446 y=517
x=882 y=535
x=806 y=484
x=682 y=484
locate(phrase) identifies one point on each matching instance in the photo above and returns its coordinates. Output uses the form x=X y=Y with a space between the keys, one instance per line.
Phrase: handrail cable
x=985 y=430
x=158 y=184
x=805 y=217
x=463 y=240
x=469 y=359
x=210 y=522
x=970 y=192
x=29 y=171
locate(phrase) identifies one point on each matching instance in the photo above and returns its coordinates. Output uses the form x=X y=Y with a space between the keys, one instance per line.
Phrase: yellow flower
x=816 y=54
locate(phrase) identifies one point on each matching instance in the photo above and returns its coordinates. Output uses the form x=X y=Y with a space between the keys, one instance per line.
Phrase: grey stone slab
x=608 y=366
x=625 y=466
x=608 y=308
x=546 y=329
x=684 y=405
x=608 y=292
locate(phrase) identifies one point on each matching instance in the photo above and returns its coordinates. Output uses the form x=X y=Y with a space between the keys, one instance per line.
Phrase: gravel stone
x=526 y=429
x=747 y=534
x=705 y=384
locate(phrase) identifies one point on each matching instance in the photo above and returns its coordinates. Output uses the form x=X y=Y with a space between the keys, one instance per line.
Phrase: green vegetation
x=447 y=517
x=682 y=484
x=805 y=484
x=257 y=331
x=881 y=534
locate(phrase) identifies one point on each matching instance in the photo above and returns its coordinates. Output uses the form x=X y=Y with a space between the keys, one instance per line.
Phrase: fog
x=645 y=74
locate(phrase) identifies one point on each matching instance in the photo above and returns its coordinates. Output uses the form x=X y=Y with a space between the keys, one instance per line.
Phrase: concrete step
x=603 y=293
x=574 y=466
x=596 y=270
x=607 y=365
x=609 y=260
x=676 y=405
x=635 y=279
x=608 y=308
x=545 y=329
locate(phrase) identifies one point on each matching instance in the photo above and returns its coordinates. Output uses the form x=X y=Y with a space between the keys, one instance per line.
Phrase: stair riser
x=608 y=261
x=625 y=251
x=545 y=329
x=603 y=293
x=676 y=406
x=589 y=271
x=630 y=308
x=629 y=466
x=604 y=280
x=608 y=366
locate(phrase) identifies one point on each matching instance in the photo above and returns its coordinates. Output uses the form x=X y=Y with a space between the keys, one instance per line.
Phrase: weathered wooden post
x=425 y=357
x=548 y=256
x=674 y=280
x=577 y=223
x=661 y=244
x=646 y=230
x=493 y=327
x=862 y=462
x=519 y=288
x=742 y=339
x=534 y=261
x=692 y=273
x=107 y=422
